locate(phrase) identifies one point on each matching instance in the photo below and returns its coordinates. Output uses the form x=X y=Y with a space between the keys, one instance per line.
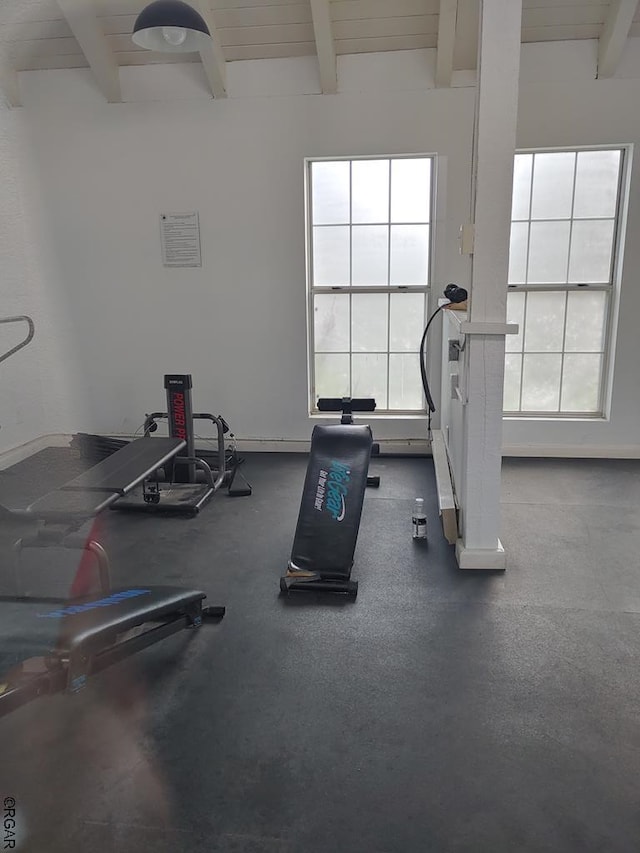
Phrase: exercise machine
x=45 y=651
x=20 y=318
x=332 y=498
x=27 y=524
x=91 y=632
x=187 y=481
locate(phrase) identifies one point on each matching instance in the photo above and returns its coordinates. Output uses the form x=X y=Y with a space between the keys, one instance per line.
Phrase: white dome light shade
x=170 y=26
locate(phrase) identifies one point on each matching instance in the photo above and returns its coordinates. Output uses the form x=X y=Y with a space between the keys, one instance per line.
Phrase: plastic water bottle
x=419 y=520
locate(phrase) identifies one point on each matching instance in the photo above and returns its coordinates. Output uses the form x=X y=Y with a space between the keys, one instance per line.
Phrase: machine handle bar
x=22 y=318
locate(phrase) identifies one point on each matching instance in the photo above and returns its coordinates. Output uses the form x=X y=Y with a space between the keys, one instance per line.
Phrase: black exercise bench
x=332 y=499
x=62 y=512
x=101 y=486
x=47 y=651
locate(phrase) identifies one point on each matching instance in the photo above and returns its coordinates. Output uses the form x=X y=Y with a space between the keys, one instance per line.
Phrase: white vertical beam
x=212 y=56
x=447 y=21
x=83 y=22
x=323 y=30
x=495 y=142
x=9 y=85
x=614 y=35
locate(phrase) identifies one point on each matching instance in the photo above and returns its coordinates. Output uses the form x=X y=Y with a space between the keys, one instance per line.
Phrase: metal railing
x=22 y=318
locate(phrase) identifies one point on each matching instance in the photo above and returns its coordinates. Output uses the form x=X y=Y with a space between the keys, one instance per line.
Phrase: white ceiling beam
x=614 y=35
x=212 y=56
x=325 y=46
x=447 y=21
x=85 y=26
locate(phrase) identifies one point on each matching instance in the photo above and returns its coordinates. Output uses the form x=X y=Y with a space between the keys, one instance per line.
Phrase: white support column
x=212 y=55
x=614 y=35
x=323 y=29
x=494 y=147
x=447 y=21
x=84 y=24
x=9 y=86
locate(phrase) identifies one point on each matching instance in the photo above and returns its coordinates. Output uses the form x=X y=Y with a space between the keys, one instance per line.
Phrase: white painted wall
x=101 y=174
x=33 y=387
x=96 y=176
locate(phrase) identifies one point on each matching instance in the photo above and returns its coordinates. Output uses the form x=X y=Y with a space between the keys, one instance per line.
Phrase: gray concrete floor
x=442 y=711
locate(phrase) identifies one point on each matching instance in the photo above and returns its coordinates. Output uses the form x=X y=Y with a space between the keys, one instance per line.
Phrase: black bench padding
x=98 y=618
x=47 y=649
x=332 y=499
x=128 y=467
x=101 y=486
x=355 y=404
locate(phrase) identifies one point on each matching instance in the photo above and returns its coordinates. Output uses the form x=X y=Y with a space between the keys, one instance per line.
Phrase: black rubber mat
x=441 y=711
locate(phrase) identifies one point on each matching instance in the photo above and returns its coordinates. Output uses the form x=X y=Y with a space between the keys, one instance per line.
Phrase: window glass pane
x=596 y=184
x=512 y=373
x=515 y=314
x=332 y=375
x=330 y=193
x=541 y=383
x=405 y=387
x=581 y=382
x=565 y=209
x=407 y=322
x=370 y=191
x=548 y=253
x=331 y=322
x=586 y=313
x=331 y=256
x=544 y=328
x=518 y=246
x=591 y=247
x=370 y=254
x=409 y=254
x=411 y=190
x=354 y=247
x=553 y=185
x=369 y=377
x=369 y=322
x=521 y=186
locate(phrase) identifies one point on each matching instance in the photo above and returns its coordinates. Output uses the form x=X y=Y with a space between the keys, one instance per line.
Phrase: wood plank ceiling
x=50 y=34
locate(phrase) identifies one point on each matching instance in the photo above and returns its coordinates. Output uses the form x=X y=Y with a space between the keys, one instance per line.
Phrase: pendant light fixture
x=171 y=26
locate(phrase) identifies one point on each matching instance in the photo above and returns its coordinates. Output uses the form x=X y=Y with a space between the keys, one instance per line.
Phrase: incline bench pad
x=32 y=627
x=127 y=467
x=99 y=618
x=111 y=479
x=61 y=646
x=332 y=500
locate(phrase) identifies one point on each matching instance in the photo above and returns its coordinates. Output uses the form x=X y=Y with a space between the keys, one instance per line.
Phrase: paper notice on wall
x=180 y=235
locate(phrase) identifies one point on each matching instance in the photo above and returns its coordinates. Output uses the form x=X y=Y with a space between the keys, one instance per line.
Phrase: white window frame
x=312 y=289
x=612 y=289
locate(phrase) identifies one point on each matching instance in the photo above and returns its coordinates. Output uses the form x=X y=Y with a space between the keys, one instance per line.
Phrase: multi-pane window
x=561 y=274
x=369 y=258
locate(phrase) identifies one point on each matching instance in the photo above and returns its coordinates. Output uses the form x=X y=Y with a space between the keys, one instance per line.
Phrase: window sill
x=583 y=419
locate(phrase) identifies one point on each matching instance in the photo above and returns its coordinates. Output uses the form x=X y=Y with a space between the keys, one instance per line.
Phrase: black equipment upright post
x=180 y=414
